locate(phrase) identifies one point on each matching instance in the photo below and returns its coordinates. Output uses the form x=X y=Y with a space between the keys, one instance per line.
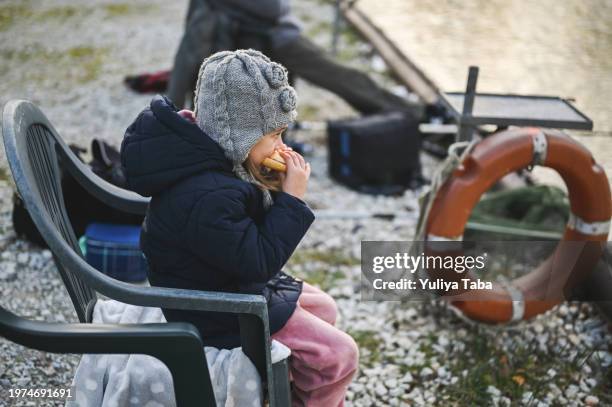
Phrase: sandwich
x=275 y=162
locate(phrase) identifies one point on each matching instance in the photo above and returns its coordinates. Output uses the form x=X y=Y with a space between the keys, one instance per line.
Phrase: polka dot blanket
x=144 y=381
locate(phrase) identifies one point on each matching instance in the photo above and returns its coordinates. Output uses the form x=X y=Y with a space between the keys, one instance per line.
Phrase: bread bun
x=275 y=162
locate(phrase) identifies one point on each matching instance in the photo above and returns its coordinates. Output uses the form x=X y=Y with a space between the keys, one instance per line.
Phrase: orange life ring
x=489 y=161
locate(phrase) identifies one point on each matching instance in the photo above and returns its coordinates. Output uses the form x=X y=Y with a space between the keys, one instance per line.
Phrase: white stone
x=442 y=372
x=426 y=372
x=391 y=383
x=8 y=271
x=443 y=341
x=571 y=391
x=407 y=378
x=538 y=327
x=396 y=392
x=380 y=390
x=357 y=387
x=556 y=391
x=526 y=397
x=591 y=400
x=584 y=386
x=22 y=258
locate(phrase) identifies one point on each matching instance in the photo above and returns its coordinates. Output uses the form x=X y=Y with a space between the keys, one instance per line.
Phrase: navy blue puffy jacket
x=205 y=228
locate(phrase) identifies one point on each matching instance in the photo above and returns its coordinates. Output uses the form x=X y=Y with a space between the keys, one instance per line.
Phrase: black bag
x=377 y=154
x=81 y=207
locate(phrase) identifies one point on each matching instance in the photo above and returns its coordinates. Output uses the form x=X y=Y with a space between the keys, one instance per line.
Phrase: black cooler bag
x=376 y=154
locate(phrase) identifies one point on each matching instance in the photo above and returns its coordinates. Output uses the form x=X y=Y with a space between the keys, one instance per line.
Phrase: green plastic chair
x=34 y=151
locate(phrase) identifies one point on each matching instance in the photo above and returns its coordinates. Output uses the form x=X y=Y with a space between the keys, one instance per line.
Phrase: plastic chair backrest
x=30 y=142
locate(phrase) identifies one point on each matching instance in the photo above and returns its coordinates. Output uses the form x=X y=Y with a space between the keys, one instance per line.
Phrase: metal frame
x=468 y=122
x=18 y=117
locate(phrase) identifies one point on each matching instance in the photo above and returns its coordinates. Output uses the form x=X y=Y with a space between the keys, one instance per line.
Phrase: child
x=218 y=221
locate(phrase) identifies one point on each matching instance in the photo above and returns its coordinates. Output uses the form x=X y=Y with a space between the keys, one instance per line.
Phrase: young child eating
x=220 y=221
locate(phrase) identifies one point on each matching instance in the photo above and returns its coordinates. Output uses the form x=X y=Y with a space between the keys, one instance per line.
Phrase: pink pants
x=323 y=358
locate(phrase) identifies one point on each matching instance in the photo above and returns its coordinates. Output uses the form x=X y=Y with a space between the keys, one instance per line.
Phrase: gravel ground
x=411 y=354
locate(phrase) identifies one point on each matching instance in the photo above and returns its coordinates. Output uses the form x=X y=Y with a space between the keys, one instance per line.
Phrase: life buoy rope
x=586 y=230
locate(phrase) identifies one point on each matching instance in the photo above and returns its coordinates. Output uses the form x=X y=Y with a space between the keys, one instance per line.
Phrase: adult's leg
x=308 y=61
x=323 y=359
x=197 y=43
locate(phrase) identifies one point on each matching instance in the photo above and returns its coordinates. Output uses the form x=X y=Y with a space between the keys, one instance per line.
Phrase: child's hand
x=187 y=114
x=295 y=179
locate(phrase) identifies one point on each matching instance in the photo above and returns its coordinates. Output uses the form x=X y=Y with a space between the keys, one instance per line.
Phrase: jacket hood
x=162 y=148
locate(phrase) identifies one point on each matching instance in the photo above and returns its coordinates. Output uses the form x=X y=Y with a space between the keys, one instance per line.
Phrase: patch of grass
x=90 y=60
x=305 y=18
x=10 y=13
x=21 y=55
x=81 y=64
x=81 y=52
x=325 y=270
x=351 y=36
x=308 y=112
x=427 y=347
x=58 y=13
x=512 y=371
x=485 y=365
x=347 y=55
x=318 y=29
x=369 y=346
x=3 y=175
x=323 y=278
x=118 y=9
x=603 y=389
x=331 y=257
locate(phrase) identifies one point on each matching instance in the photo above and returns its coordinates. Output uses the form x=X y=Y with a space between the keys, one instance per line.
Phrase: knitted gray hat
x=240 y=96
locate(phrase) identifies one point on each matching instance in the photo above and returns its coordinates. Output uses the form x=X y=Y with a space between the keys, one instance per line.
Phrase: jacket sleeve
x=222 y=234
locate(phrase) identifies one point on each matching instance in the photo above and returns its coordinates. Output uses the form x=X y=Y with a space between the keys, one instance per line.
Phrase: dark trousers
x=208 y=31
x=196 y=44
x=306 y=60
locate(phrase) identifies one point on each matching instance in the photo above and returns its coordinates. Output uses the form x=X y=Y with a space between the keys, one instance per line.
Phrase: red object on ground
x=148 y=82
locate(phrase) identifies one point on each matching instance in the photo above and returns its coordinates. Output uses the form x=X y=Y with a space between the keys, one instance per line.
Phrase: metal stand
x=466 y=130
x=471 y=109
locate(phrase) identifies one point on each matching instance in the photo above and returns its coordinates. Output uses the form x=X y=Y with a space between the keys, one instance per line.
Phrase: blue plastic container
x=115 y=251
